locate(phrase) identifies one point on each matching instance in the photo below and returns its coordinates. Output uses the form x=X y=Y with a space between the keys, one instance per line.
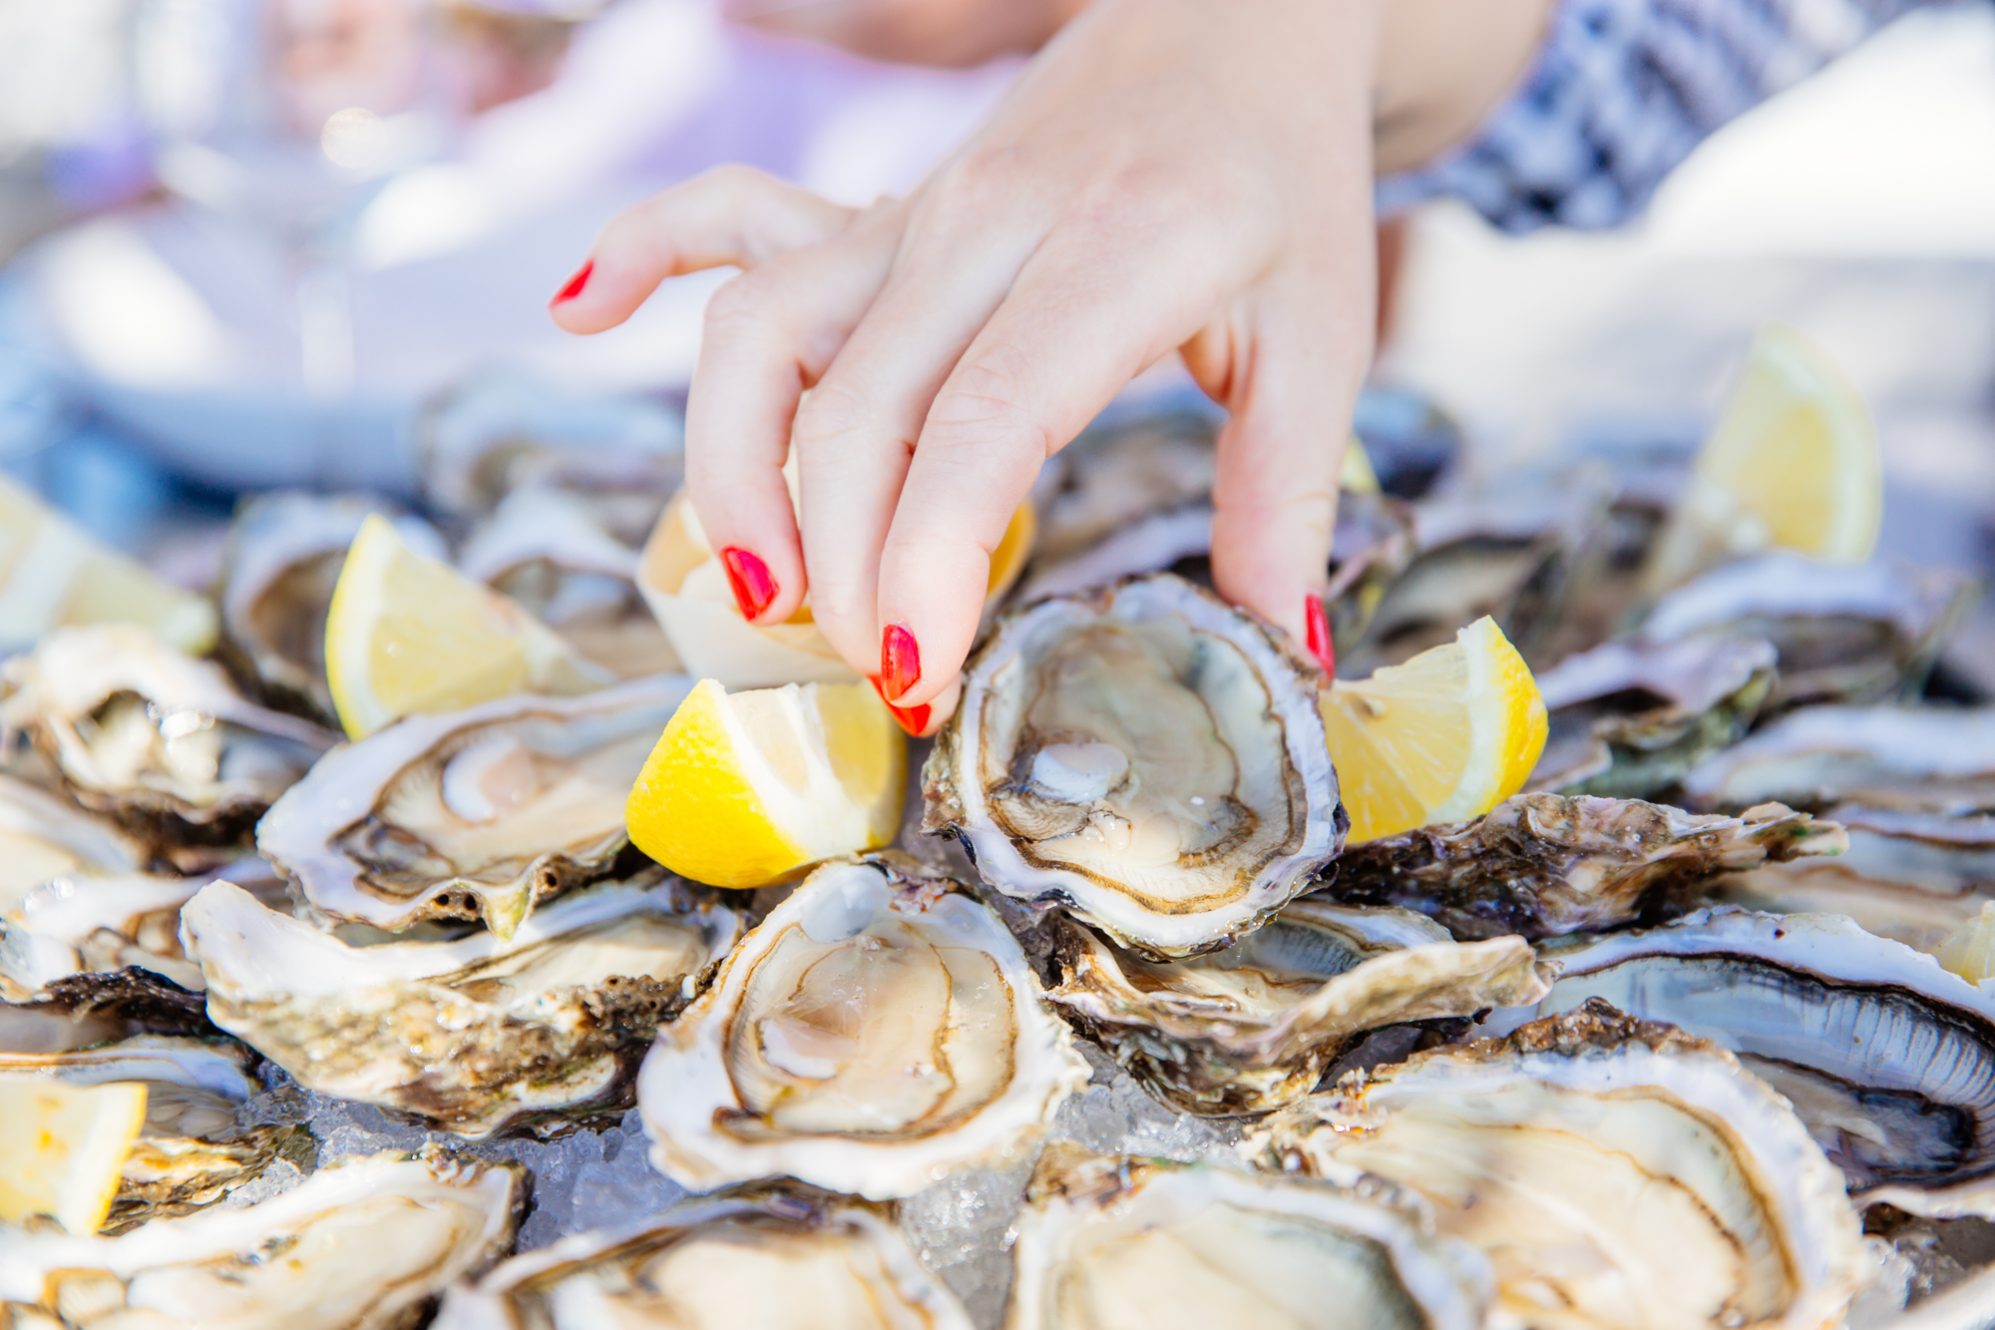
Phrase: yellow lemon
x=63 y=1148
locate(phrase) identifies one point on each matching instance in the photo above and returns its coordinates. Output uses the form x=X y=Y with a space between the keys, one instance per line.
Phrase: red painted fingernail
x=900 y=662
x=575 y=284
x=748 y=577
x=912 y=719
x=1320 y=645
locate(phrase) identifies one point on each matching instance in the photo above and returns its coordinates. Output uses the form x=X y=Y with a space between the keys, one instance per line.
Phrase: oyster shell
x=67 y=928
x=475 y=814
x=1122 y=472
x=1936 y=759
x=1616 y=1173
x=1252 y=1027
x=472 y=1035
x=1144 y=755
x=362 y=1246
x=775 y=1259
x=1538 y=865
x=1111 y=1244
x=160 y=742
x=1845 y=632
x=1628 y=719
x=1889 y=1059
x=875 y=1032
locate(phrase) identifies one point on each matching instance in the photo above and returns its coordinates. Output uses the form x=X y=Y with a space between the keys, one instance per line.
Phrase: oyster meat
x=1144 y=755
x=1252 y=1027
x=1538 y=865
x=1616 y=1173
x=774 y=1259
x=365 y=1245
x=471 y=1035
x=875 y=1032
x=1136 y=1244
x=474 y=814
x=1939 y=759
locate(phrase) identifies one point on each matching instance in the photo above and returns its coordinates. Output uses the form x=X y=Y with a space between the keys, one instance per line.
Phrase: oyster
x=775 y=1259
x=158 y=741
x=1252 y=1027
x=875 y=1032
x=1115 y=1244
x=1889 y=1059
x=1937 y=759
x=472 y=1035
x=67 y=928
x=474 y=814
x=1616 y=1173
x=1845 y=632
x=1122 y=472
x=365 y=1245
x=1144 y=755
x=1538 y=865
x=1628 y=719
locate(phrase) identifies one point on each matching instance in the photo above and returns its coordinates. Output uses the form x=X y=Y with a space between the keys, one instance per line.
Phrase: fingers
x=729 y=216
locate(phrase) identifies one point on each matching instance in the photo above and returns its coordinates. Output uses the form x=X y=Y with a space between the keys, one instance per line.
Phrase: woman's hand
x=1189 y=175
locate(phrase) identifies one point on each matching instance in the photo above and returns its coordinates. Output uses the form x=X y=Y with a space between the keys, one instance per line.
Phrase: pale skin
x=1187 y=177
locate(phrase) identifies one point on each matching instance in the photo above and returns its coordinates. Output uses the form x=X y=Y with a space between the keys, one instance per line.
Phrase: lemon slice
x=1443 y=737
x=63 y=1147
x=410 y=635
x=52 y=575
x=744 y=789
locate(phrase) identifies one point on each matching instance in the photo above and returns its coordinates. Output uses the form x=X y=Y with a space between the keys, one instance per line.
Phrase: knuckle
x=982 y=407
x=744 y=304
x=829 y=413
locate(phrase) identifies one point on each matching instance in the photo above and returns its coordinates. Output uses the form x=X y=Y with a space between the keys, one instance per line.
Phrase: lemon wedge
x=407 y=635
x=63 y=1148
x=52 y=575
x=744 y=789
x=1969 y=951
x=1443 y=737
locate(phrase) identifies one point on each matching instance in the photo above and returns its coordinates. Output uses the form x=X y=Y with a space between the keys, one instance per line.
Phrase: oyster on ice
x=1252 y=1027
x=875 y=1032
x=365 y=1245
x=774 y=1259
x=475 y=814
x=1889 y=1059
x=1144 y=755
x=1937 y=759
x=471 y=1035
x=1538 y=865
x=1616 y=1173
x=1137 y=1244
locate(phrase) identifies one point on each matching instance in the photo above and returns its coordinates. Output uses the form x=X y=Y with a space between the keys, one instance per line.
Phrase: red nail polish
x=575 y=284
x=1318 y=629
x=900 y=662
x=748 y=577
x=912 y=719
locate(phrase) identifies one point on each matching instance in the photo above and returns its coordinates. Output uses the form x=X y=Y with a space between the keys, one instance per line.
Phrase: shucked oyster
x=1252 y=1027
x=776 y=1259
x=475 y=814
x=1133 y=1244
x=1889 y=1059
x=1616 y=1173
x=1144 y=755
x=872 y=1034
x=1538 y=865
x=362 y=1246
x=1917 y=758
x=471 y=1035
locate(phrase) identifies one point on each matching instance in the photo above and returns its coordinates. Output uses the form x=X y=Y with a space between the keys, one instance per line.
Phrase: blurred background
x=253 y=243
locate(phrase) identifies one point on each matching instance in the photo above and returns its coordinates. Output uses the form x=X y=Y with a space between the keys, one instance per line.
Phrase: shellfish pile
x=1134 y=1036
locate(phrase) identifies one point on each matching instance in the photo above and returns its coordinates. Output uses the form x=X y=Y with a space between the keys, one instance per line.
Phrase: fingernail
x=748 y=577
x=900 y=662
x=1318 y=630
x=912 y=719
x=575 y=284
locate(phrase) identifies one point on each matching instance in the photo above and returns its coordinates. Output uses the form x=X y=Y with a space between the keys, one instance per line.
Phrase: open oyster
x=362 y=1246
x=474 y=814
x=875 y=1032
x=1616 y=1173
x=1538 y=865
x=158 y=741
x=1252 y=1027
x=1122 y=472
x=1144 y=755
x=1117 y=1244
x=1889 y=1059
x=1629 y=718
x=774 y=1259
x=1937 y=759
x=471 y=1035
